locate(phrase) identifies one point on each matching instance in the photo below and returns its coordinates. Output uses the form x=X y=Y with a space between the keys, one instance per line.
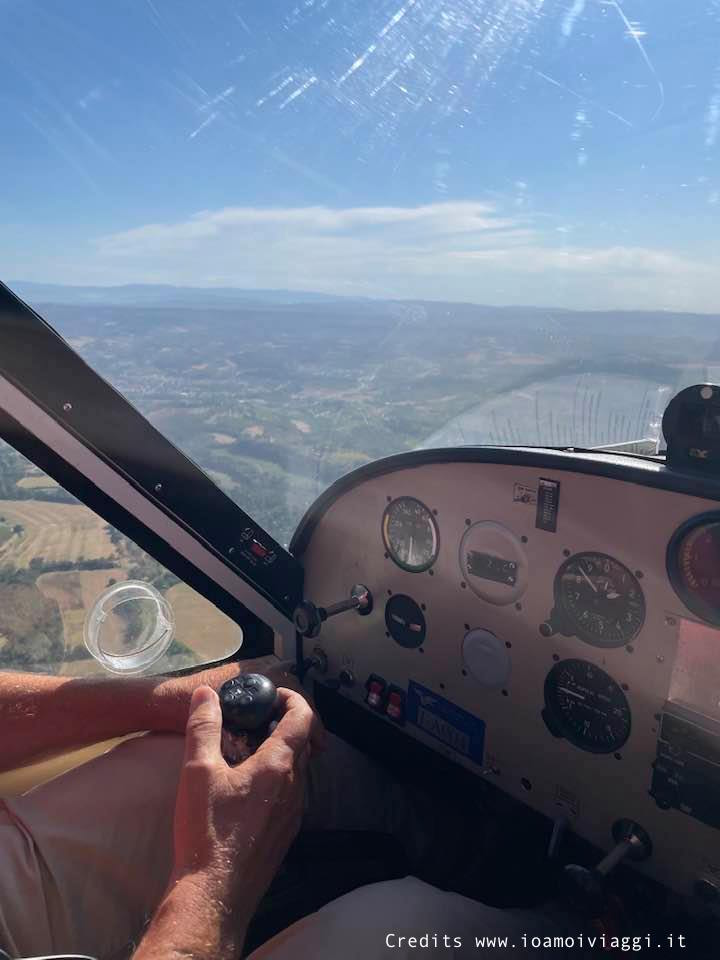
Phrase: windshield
x=303 y=235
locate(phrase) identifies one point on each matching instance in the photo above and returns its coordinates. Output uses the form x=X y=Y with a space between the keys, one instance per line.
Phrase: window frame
x=60 y=414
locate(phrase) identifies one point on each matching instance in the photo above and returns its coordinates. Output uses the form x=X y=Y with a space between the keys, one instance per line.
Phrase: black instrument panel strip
x=628 y=469
x=40 y=363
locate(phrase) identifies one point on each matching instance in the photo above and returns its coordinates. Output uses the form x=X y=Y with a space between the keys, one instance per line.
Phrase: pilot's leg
x=87 y=856
x=377 y=922
x=91 y=852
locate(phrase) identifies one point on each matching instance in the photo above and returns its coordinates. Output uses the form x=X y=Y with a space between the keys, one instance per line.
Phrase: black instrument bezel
x=569 y=620
x=396 y=560
x=558 y=717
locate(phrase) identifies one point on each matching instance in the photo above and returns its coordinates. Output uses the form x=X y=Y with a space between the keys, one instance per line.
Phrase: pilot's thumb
x=204 y=726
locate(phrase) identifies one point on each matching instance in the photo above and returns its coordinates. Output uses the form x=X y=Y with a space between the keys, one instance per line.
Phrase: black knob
x=586 y=888
x=247 y=702
x=308 y=619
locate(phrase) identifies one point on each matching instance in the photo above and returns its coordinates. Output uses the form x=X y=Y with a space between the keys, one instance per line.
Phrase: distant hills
x=146 y=294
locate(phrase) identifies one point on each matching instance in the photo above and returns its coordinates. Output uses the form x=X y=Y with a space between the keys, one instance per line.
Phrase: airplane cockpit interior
x=365 y=356
x=527 y=634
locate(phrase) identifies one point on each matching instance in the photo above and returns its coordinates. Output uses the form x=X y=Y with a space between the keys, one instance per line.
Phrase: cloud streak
x=468 y=250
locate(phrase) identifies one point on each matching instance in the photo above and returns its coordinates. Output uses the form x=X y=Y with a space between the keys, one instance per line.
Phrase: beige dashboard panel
x=628 y=521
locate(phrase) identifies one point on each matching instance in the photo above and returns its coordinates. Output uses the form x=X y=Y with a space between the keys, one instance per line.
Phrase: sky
x=543 y=152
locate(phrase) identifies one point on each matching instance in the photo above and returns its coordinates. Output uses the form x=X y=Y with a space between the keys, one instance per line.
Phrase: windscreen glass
x=300 y=236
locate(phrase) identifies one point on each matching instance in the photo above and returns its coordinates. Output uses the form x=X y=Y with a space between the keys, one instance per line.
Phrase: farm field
x=54 y=531
x=36 y=482
x=75 y=591
x=201 y=626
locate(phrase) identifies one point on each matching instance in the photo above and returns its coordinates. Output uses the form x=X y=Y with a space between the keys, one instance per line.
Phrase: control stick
x=631 y=843
x=247 y=703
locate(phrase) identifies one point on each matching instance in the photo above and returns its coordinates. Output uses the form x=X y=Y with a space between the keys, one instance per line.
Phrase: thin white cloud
x=468 y=250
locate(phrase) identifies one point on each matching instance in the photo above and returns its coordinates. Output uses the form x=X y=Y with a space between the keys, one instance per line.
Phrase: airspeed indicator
x=410 y=534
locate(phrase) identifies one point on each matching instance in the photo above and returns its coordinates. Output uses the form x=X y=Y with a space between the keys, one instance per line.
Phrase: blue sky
x=504 y=151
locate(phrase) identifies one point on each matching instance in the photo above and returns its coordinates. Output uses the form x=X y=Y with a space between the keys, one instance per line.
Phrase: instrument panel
x=542 y=631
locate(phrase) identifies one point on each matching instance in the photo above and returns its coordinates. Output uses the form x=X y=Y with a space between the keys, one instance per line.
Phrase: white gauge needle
x=570 y=693
x=588 y=579
x=410 y=551
x=612 y=595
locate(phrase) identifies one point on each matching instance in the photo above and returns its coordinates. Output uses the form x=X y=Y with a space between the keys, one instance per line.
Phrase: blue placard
x=445 y=721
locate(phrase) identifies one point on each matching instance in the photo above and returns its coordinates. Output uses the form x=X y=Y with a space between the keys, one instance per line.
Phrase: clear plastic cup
x=129 y=628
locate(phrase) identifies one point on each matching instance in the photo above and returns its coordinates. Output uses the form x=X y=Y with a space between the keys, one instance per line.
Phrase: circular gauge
x=486 y=658
x=405 y=621
x=493 y=562
x=586 y=706
x=410 y=534
x=599 y=600
x=693 y=564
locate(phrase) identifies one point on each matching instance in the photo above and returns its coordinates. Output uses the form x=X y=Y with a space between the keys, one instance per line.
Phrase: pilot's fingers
x=318 y=735
x=204 y=727
x=290 y=738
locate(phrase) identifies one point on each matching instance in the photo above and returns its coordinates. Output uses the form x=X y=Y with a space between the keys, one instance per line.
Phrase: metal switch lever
x=560 y=825
x=631 y=842
x=309 y=618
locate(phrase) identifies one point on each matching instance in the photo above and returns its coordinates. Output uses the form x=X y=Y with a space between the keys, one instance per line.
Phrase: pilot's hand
x=234 y=825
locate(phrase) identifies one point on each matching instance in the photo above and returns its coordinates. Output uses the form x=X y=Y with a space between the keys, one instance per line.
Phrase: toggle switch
x=375 y=697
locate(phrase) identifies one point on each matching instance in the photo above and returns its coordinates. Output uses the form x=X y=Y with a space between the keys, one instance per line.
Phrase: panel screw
x=67 y=407
x=660 y=659
x=566 y=553
x=158 y=488
x=523 y=539
x=231 y=551
x=670 y=622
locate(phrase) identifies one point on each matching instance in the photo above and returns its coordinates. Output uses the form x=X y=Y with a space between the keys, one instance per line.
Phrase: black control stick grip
x=247 y=702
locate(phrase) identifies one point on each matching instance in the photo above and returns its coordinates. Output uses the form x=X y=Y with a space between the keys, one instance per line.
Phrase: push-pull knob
x=309 y=617
x=631 y=843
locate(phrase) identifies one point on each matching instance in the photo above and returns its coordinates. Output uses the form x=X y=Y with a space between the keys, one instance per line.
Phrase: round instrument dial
x=693 y=564
x=410 y=534
x=405 y=621
x=599 y=600
x=586 y=706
